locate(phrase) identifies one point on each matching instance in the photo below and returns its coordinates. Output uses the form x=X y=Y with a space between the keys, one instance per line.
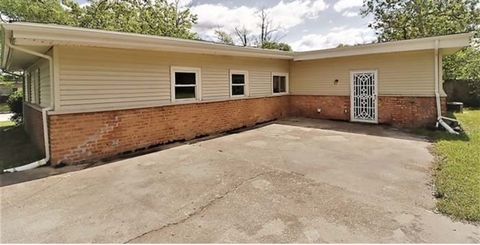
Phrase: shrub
x=15 y=102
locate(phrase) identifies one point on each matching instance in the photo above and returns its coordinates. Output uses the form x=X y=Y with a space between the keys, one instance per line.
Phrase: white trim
x=375 y=73
x=33 y=34
x=50 y=34
x=198 y=83
x=245 y=85
x=455 y=42
x=284 y=74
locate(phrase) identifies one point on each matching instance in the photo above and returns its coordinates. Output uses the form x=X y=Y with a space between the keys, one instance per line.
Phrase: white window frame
x=26 y=92
x=38 y=85
x=286 y=82
x=198 y=83
x=245 y=85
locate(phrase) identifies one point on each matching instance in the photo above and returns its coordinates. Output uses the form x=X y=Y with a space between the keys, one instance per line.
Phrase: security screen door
x=363 y=98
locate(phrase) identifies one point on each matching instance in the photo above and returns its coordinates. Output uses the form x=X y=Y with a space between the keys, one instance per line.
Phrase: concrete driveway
x=290 y=181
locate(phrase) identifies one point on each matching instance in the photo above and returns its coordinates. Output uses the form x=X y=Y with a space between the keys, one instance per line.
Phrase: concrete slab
x=291 y=181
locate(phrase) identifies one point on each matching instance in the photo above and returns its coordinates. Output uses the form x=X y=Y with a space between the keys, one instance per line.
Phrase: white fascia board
x=5 y=48
x=35 y=34
x=450 y=41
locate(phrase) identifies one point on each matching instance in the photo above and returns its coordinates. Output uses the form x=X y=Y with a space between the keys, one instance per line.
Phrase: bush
x=15 y=102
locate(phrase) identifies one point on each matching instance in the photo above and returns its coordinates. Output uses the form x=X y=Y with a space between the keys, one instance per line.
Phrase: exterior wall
x=38 y=86
x=332 y=107
x=32 y=121
x=399 y=74
x=92 y=136
x=400 y=111
x=409 y=112
x=103 y=79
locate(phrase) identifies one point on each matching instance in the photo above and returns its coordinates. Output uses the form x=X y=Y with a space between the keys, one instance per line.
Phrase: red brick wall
x=33 y=125
x=82 y=137
x=396 y=111
x=92 y=136
x=332 y=107
x=408 y=111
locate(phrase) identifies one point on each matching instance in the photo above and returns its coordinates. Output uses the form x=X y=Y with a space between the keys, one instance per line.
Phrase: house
x=92 y=94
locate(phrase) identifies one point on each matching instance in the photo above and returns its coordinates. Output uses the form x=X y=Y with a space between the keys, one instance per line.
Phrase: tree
x=44 y=11
x=243 y=35
x=276 y=45
x=407 y=19
x=157 y=17
x=266 y=30
x=224 y=37
x=140 y=16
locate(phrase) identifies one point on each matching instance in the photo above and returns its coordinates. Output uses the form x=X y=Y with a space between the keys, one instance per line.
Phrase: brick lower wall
x=331 y=107
x=33 y=125
x=409 y=112
x=81 y=137
x=396 y=111
x=91 y=136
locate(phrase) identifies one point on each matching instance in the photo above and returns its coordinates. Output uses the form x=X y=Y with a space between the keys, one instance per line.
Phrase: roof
x=40 y=37
x=448 y=43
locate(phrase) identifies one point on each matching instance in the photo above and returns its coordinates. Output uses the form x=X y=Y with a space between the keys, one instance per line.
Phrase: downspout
x=440 y=118
x=44 y=112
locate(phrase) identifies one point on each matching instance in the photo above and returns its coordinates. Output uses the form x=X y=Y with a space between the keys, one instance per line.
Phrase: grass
x=15 y=146
x=4 y=108
x=457 y=176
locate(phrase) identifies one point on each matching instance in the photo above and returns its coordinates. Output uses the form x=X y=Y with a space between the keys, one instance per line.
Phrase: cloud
x=181 y=3
x=347 y=4
x=336 y=36
x=285 y=15
x=350 y=14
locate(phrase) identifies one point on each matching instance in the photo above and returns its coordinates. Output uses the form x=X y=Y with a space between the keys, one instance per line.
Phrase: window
x=27 y=87
x=280 y=83
x=185 y=83
x=38 y=95
x=238 y=83
x=30 y=87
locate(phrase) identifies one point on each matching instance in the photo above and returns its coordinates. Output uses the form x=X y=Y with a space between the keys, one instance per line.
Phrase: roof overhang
x=31 y=34
x=448 y=44
x=41 y=37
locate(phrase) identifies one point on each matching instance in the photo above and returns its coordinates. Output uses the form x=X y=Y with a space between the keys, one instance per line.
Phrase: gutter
x=440 y=118
x=46 y=137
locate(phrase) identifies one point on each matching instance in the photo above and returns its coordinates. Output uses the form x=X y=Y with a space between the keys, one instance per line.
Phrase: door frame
x=352 y=118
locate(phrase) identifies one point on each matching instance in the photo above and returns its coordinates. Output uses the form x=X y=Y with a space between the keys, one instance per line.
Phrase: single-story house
x=92 y=94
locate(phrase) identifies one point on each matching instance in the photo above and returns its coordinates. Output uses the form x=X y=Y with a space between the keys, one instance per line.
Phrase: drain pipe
x=44 y=112
x=440 y=118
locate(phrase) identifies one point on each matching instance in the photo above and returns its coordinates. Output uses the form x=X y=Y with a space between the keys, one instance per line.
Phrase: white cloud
x=290 y=14
x=285 y=15
x=347 y=4
x=337 y=35
x=181 y=3
x=350 y=13
x=215 y=16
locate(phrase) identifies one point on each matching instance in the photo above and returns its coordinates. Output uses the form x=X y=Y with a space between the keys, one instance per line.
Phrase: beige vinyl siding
x=35 y=88
x=101 y=78
x=403 y=74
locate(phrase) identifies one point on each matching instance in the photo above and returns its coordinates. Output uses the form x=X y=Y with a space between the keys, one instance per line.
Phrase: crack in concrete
x=201 y=208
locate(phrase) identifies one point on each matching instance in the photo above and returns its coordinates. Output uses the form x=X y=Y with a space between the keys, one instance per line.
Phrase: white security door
x=363 y=97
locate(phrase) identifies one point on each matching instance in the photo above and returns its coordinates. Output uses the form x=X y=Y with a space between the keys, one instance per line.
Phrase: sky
x=304 y=24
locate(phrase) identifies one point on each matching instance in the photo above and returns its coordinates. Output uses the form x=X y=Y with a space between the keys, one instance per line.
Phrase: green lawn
x=15 y=147
x=4 y=108
x=457 y=176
